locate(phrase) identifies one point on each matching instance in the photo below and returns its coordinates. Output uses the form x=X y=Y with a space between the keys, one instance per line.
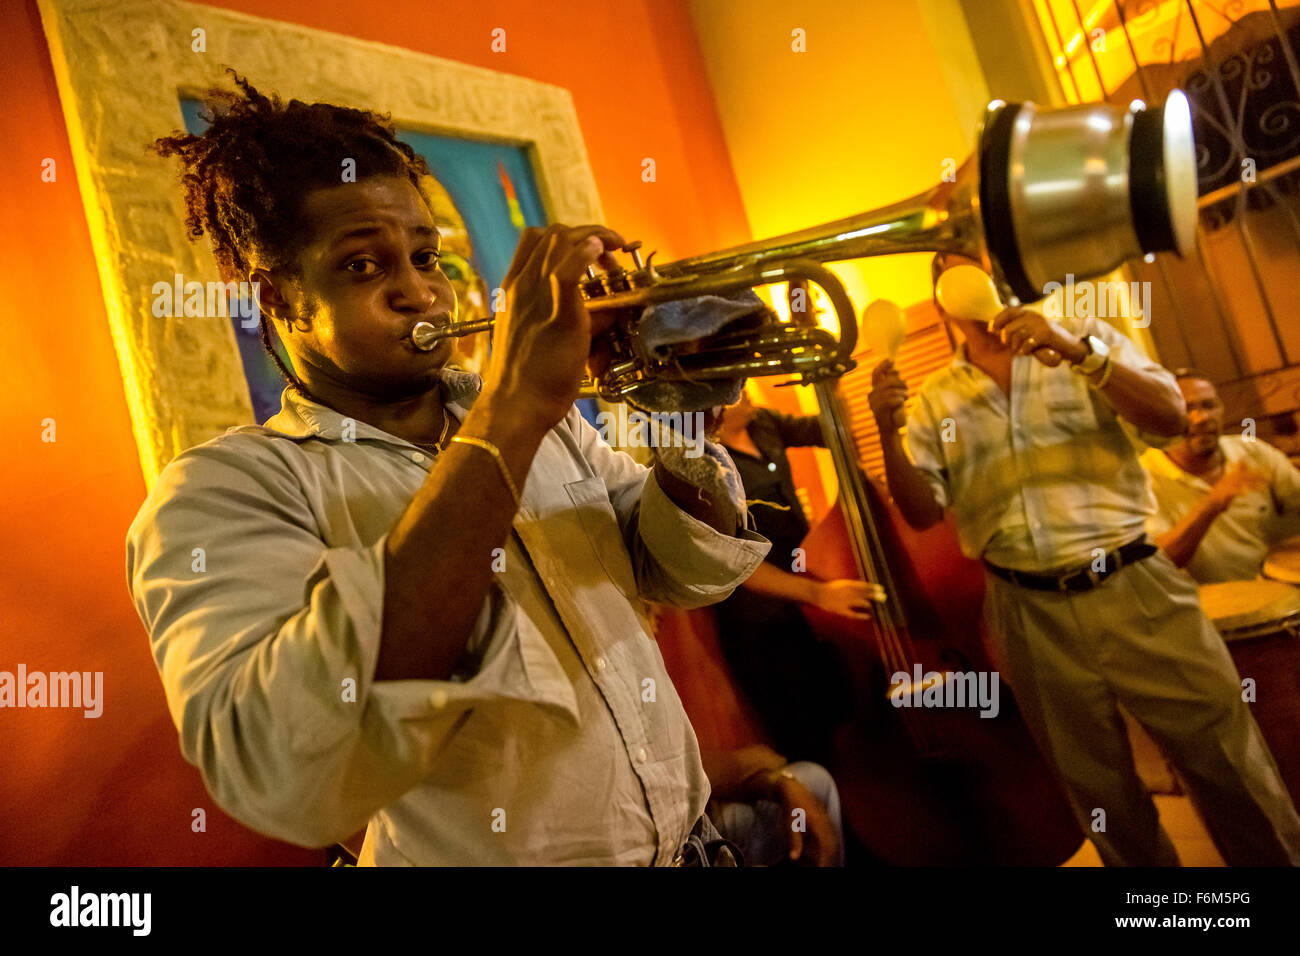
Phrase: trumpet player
x=1021 y=437
x=417 y=606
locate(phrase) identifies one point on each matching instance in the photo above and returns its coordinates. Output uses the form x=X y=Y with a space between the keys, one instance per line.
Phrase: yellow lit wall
x=885 y=92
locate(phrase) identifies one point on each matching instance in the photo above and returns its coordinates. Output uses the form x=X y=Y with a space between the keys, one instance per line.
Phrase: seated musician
x=1221 y=500
x=412 y=597
x=777 y=812
x=797 y=684
x=1021 y=436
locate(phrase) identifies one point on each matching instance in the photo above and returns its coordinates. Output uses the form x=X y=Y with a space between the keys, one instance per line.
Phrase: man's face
x=1204 y=415
x=368 y=273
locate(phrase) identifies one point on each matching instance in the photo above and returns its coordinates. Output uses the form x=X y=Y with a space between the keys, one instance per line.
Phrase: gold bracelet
x=501 y=462
x=1106 y=372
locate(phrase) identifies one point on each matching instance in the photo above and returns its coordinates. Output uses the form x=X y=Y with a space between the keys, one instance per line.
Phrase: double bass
x=924 y=786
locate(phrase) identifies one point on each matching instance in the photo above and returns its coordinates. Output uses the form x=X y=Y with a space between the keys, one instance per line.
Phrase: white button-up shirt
x=257 y=567
x=1041 y=477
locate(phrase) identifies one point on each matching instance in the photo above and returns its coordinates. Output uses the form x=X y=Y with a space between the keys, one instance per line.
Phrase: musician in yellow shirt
x=1222 y=500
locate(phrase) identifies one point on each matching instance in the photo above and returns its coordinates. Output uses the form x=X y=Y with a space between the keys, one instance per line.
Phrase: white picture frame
x=123 y=68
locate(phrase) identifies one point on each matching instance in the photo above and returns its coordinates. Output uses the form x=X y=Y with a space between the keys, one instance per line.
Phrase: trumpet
x=1047 y=193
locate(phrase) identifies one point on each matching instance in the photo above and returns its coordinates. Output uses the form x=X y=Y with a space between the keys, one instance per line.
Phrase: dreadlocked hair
x=245 y=178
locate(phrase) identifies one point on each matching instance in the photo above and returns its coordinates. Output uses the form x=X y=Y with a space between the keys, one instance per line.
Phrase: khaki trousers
x=1140 y=638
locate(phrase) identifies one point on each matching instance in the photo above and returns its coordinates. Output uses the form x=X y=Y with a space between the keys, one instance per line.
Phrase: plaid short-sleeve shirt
x=1042 y=477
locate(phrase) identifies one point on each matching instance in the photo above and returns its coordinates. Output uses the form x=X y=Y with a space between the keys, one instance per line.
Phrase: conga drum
x=1260 y=621
x=1283 y=561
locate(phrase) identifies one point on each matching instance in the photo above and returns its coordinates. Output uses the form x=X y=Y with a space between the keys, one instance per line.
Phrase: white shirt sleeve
x=266 y=640
x=677 y=559
x=1163 y=517
x=1284 y=479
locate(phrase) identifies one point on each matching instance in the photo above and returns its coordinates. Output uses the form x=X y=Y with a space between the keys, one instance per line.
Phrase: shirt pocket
x=1073 y=415
x=518 y=665
x=590 y=499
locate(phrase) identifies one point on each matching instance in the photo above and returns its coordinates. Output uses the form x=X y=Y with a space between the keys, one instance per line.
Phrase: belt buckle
x=1063 y=582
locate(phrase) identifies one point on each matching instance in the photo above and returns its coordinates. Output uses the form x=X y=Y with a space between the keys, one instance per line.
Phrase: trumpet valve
x=635 y=249
x=616 y=281
x=593 y=286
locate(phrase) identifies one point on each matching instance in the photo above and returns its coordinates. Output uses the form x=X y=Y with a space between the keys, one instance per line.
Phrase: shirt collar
x=972 y=373
x=1164 y=466
x=300 y=417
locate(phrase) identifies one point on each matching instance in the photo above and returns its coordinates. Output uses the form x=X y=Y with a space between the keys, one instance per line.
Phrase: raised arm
x=798 y=431
x=911 y=490
x=1141 y=391
x=1181 y=541
x=438 y=561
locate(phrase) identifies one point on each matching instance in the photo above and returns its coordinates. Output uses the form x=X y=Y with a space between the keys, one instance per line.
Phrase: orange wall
x=115 y=790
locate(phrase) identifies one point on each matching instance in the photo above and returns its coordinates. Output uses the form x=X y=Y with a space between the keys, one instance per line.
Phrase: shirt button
x=417 y=456
x=771 y=466
x=438 y=699
x=641 y=756
x=600 y=663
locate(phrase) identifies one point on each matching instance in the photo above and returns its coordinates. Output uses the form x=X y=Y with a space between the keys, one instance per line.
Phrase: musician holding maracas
x=1022 y=436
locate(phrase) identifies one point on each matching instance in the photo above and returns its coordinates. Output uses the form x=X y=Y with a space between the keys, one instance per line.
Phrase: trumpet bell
x=1047 y=194
x=1080 y=190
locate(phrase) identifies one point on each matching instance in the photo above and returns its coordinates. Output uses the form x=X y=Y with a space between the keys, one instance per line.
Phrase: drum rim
x=1288 y=626
x=1290 y=547
x=1269 y=615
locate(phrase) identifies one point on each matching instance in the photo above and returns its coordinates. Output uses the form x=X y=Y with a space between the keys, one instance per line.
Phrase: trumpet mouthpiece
x=426 y=335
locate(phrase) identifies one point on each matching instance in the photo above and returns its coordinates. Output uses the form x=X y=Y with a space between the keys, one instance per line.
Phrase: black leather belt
x=1082 y=578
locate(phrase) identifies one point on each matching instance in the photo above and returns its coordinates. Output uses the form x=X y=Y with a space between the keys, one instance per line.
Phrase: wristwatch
x=1098 y=354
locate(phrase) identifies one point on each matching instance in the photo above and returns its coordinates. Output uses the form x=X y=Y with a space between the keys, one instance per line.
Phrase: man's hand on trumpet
x=546 y=339
x=542 y=340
